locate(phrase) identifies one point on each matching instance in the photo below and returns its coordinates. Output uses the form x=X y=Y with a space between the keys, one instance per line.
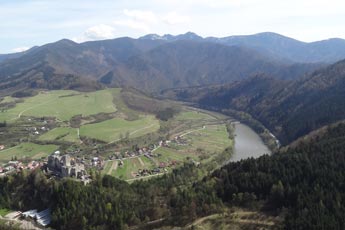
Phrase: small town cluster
x=67 y=165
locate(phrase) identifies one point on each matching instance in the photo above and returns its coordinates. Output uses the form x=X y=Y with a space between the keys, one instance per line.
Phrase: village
x=66 y=164
x=59 y=165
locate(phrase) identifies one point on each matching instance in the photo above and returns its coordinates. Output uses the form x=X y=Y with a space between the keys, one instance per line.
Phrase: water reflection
x=247 y=144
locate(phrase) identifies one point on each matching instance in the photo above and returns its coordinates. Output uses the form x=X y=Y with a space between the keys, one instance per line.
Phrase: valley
x=131 y=143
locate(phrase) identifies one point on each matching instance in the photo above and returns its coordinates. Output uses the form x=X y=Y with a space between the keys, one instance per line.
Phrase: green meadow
x=61 y=134
x=113 y=129
x=193 y=115
x=25 y=150
x=62 y=104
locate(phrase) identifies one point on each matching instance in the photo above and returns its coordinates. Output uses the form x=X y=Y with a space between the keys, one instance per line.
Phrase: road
x=196 y=130
x=4 y=150
x=143 y=177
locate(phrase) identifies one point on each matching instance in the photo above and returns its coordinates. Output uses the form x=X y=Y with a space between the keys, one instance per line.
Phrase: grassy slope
x=192 y=115
x=130 y=165
x=31 y=150
x=63 y=104
x=111 y=130
x=8 y=99
x=62 y=134
x=4 y=212
x=214 y=138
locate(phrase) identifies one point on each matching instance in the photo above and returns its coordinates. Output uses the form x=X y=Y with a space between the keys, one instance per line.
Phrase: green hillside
x=61 y=133
x=62 y=104
x=117 y=128
x=27 y=150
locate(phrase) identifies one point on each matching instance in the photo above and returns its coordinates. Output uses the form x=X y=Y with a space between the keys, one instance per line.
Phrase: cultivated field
x=130 y=167
x=117 y=128
x=209 y=140
x=203 y=136
x=193 y=115
x=62 y=104
x=61 y=134
x=27 y=150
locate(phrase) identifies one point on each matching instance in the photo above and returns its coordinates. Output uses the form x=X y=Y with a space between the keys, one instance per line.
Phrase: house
x=33 y=165
x=8 y=168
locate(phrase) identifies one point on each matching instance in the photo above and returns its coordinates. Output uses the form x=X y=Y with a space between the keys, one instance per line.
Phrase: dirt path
x=4 y=150
x=141 y=129
x=200 y=220
x=113 y=167
x=196 y=130
x=141 y=161
x=143 y=177
x=239 y=217
x=78 y=134
x=32 y=107
x=135 y=131
x=246 y=217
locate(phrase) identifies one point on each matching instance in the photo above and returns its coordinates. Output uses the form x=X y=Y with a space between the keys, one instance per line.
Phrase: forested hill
x=290 y=109
x=307 y=179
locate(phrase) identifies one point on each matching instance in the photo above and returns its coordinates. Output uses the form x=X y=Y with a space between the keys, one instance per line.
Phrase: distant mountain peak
x=66 y=41
x=169 y=37
x=152 y=37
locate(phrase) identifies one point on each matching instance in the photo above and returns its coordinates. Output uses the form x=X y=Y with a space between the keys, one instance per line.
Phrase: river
x=247 y=143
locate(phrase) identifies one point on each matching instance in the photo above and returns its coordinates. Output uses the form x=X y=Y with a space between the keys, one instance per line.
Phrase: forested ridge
x=289 y=109
x=304 y=183
x=307 y=180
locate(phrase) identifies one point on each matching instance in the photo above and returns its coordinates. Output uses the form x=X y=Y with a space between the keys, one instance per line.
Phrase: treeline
x=307 y=180
x=290 y=109
x=110 y=203
x=139 y=101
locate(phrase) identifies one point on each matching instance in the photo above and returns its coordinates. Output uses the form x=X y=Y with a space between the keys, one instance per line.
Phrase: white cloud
x=174 y=18
x=137 y=20
x=99 y=32
x=146 y=21
x=20 y=49
x=133 y=24
x=141 y=15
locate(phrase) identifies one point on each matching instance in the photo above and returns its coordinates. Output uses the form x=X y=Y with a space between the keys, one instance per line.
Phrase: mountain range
x=153 y=63
x=260 y=74
x=274 y=45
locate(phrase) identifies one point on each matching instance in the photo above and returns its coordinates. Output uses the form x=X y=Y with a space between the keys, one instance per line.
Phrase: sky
x=27 y=23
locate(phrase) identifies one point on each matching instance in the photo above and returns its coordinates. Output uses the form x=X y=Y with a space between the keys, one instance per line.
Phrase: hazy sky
x=25 y=23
